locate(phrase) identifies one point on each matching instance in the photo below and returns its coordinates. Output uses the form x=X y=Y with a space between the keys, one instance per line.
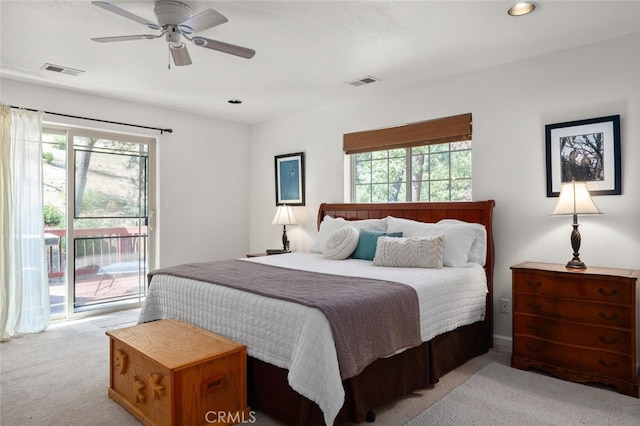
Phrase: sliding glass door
x=105 y=249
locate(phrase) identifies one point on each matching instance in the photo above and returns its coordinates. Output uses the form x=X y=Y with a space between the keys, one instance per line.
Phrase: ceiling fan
x=175 y=21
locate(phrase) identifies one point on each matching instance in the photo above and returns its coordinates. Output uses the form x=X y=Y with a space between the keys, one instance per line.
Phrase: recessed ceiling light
x=234 y=101
x=521 y=8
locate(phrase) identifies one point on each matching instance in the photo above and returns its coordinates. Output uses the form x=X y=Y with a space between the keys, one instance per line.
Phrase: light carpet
x=501 y=395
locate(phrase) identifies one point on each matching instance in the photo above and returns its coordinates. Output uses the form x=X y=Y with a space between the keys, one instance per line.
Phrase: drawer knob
x=535 y=327
x=534 y=306
x=611 y=317
x=534 y=284
x=604 y=292
x=608 y=341
x=612 y=364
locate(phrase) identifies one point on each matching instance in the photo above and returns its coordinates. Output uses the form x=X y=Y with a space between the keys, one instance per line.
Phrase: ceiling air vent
x=62 y=70
x=363 y=81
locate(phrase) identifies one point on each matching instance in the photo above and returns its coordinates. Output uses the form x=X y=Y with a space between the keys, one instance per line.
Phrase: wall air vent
x=62 y=70
x=363 y=81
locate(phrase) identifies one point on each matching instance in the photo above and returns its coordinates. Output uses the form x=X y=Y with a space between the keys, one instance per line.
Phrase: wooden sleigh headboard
x=468 y=211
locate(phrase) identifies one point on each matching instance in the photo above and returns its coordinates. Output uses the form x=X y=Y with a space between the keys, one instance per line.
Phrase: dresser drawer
x=587 y=361
x=591 y=313
x=572 y=285
x=609 y=339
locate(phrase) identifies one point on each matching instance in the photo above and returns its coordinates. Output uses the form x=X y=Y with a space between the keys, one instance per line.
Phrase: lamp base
x=285 y=240
x=576 y=264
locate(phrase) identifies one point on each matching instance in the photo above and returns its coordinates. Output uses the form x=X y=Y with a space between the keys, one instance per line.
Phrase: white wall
x=510 y=105
x=202 y=187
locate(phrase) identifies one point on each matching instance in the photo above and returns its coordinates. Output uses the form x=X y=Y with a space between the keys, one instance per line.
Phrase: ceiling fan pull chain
x=168 y=57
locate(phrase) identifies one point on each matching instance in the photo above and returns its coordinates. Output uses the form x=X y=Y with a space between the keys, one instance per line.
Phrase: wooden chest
x=171 y=373
x=580 y=325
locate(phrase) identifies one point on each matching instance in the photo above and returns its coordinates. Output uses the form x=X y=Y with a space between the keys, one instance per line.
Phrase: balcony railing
x=110 y=265
x=95 y=248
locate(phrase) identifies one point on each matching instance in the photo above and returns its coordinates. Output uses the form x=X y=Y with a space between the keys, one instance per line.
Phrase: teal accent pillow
x=367 y=242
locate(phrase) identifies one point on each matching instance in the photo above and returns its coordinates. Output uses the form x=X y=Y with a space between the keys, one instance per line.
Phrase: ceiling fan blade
x=204 y=20
x=180 y=54
x=115 y=9
x=220 y=46
x=124 y=38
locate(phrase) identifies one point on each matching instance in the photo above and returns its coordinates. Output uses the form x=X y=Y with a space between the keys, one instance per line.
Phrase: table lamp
x=574 y=200
x=284 y=216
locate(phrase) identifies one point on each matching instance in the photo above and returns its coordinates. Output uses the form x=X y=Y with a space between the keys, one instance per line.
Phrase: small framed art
x=584 y=150
x=290 y=179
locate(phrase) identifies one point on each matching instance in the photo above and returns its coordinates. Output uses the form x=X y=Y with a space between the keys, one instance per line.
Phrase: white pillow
x=341 y=243
x=457 y=238
x=414 y=252
x=330 y=224
x=327 y=227
x=478 y=251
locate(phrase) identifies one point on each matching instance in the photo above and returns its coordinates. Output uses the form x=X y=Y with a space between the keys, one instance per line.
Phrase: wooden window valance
x=440 y=130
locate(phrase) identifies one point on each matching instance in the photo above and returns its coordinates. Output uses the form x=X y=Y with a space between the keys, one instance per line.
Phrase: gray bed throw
x=370 y=318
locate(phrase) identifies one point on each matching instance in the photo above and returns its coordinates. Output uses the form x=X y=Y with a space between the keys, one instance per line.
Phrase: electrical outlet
x=504 y=306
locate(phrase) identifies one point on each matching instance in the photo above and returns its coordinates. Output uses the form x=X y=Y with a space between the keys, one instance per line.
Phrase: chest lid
x=175 y=344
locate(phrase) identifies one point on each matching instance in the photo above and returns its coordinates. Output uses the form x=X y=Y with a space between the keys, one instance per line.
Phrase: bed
x=303 y=368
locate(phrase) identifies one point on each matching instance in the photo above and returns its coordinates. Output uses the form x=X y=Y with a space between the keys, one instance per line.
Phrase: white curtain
x=24 y=286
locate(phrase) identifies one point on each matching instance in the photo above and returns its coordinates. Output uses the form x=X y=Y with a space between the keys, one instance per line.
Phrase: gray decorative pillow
x=341 y=243
x=412 y=252
x=458 y=239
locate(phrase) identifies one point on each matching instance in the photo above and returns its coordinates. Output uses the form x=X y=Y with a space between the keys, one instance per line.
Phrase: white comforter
x=298 y=337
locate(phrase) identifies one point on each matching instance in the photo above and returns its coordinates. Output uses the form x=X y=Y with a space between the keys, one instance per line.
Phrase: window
x=439 y=172
x=424 y=161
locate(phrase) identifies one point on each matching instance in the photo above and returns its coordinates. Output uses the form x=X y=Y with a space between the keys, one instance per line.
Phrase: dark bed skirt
x=380 y=383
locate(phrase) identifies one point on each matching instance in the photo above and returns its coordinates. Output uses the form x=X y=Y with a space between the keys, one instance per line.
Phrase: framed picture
x=584 y=150
x=290 y=179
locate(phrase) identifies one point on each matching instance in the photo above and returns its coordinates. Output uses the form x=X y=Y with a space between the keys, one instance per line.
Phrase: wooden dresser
x=579 y=325
x=171 y=373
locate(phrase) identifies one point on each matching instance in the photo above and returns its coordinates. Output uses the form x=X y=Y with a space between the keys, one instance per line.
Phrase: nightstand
x=579 y=325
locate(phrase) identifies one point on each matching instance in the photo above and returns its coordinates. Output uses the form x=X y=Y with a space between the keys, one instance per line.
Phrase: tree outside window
x=439 y=172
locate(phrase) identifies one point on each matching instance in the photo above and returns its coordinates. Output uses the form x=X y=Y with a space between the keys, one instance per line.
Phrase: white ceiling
x=306 y=50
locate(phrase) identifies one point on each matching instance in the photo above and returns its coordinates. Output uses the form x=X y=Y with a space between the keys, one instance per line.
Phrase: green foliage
x=438 y=173
x=47 y=157
x=53 y=216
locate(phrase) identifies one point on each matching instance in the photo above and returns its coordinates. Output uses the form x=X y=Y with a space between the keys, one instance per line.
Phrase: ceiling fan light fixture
x=180 y=54
x=522 y=8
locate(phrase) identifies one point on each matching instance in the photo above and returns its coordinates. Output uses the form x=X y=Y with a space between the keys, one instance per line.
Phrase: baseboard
x=502 y=341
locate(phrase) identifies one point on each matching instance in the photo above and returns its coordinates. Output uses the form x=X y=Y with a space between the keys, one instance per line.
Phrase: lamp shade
x=575 y=199
x=284 y=216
